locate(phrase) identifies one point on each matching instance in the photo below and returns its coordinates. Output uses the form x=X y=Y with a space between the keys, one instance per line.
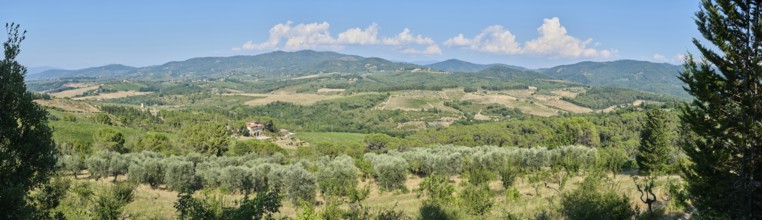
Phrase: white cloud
x=432 y=49
x=659 y=58
x=301 y=36
x=679 y=58
x=459 y=40
x=317 y=35
x=554 y=40
x=405 y=37
x=369 y=36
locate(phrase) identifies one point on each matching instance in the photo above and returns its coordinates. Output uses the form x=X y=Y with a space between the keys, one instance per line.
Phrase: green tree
x=724 y=121
x=205 y=138
x=155 y=142
x=110 y=139
x=27 y=152
x=655 y=144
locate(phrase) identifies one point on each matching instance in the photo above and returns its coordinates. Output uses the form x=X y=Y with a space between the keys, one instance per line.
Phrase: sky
x=534 y=34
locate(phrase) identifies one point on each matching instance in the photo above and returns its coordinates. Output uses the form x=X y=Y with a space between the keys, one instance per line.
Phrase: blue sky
x=78 y=34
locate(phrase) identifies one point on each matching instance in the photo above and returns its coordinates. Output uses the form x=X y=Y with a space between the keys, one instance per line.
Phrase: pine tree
x=724 y=121
x=655 y=146
x=27 y=152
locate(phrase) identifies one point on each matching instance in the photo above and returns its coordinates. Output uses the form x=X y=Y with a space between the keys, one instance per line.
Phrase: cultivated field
x=69 y=105
x=296 y=98
x=80 y=89
x=112 y=95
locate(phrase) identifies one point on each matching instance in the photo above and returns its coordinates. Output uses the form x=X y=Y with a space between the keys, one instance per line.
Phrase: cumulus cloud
x=405 y=37
x=553 y=40
x=459 y=40
x=432 y=49
x=368 y=36
x=317 y=35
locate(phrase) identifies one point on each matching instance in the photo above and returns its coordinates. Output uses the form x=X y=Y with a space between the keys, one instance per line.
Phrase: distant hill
x=455 y=65
x=97 y=72
x=273 y=65
x=39 y=69
x=640 y=75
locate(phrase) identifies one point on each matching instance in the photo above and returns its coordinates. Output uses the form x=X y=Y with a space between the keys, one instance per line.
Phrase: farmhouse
x=255 y=129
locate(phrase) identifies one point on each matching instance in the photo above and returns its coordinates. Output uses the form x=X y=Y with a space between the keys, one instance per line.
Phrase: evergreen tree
x=724 y=121
x=27 y=152
x=654 y=150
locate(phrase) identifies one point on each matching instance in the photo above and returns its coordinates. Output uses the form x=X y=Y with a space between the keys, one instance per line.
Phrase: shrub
x=110 y=201
x=476 y=199
x=437 y=188
x=594 y=201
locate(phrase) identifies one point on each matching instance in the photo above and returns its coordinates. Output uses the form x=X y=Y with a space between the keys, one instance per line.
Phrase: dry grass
x=327 y=90
x=511 y=101
x=556 y=102
x=113 y=95
x=69 y=105
x=296 y=98
x=565 y=93
x=158 y=203
x=73 y=92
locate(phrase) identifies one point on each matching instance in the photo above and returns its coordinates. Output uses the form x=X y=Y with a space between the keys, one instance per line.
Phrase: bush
x=434 y=211
x=110 y=201
x=476 y=199
x=299 y=185
x=437 y=188
x=181 y=177
x=594 y=201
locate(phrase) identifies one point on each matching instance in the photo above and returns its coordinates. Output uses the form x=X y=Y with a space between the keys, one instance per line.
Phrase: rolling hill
x=631 y=74
x=273 y=65
x=96 y=72
x=455 y=65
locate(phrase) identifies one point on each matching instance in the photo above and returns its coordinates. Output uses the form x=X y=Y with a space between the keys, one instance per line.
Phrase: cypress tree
x=27 y=152
x=723 y=124
x=654 y=149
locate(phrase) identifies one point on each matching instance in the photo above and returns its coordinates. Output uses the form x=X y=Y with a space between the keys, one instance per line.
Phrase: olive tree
x=181 y=177
x=390 y=171
x=338 y=177
x=299 y=185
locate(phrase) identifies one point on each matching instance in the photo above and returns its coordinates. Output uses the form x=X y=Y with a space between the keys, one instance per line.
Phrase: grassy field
x=331 y=137
x=82 y=130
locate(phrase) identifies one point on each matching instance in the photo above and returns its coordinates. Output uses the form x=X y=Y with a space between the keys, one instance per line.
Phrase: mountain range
x=631 y=74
